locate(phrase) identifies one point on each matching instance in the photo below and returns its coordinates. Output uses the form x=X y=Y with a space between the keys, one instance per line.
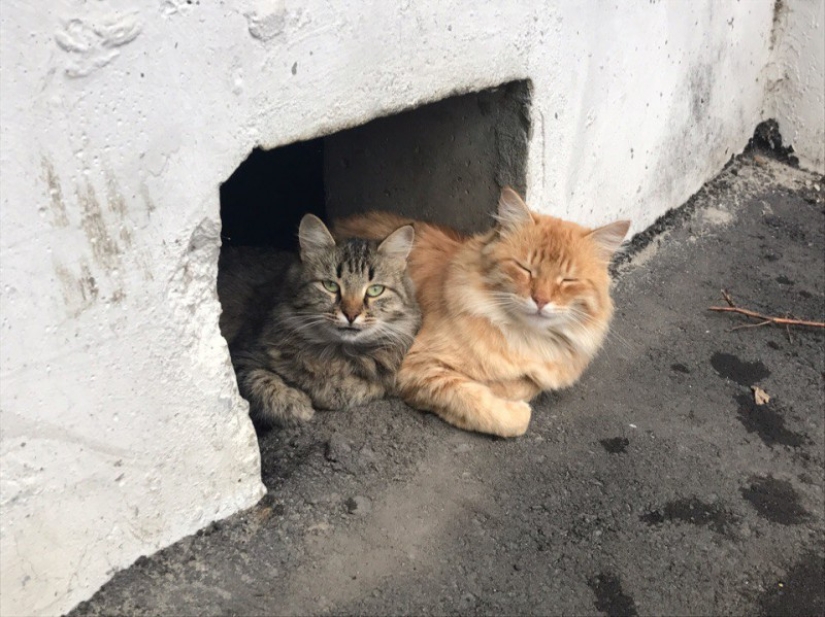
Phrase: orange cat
x=506 y=314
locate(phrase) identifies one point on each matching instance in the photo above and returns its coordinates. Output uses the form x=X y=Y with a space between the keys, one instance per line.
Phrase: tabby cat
x=326 y=331
x=507 y=314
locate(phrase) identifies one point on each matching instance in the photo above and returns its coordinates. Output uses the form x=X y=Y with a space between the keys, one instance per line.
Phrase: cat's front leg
x=271 y=400
x=426 y=384
x=344 y=392
x=523 y=389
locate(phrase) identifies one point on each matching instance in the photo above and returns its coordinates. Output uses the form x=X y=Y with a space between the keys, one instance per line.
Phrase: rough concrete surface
x=444 y=162
x=654 y=486
x=118 y=122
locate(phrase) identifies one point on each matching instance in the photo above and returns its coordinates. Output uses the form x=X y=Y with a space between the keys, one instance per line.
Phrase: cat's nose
x=540 y=300
x=351 y=315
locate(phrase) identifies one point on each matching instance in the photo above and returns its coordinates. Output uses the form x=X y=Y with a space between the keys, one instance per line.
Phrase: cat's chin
x=540 y=321
x=349 y=334
x=355 y=336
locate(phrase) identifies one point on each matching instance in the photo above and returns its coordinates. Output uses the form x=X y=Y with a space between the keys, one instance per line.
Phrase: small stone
x=336 y=448
x=359 y=505
x=467 y=600
x=366 y=456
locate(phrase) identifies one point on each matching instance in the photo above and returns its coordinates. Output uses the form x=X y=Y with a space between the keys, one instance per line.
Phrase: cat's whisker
x=388 y=333
x=621 y=340
x=306 y=323
x=578 y=314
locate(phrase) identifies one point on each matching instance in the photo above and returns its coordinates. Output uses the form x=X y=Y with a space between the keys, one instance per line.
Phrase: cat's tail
x=370 y=225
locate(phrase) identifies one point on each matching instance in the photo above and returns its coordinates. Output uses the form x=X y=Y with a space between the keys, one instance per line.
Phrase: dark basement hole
x=264 y=200
x=444 y=162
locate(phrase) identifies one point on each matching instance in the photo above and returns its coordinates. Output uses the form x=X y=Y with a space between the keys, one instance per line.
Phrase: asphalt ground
x=655 y=485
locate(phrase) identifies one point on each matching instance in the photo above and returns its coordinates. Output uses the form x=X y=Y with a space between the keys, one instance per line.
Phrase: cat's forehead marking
x=551 y=249
x=354 y=257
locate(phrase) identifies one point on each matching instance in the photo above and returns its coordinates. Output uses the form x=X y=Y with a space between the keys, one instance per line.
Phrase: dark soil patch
x=744 y=373
x=801 y=592
x=767 y=421
x=693 y=512
x=775 y=500
x=615 y=445
x=610 y=599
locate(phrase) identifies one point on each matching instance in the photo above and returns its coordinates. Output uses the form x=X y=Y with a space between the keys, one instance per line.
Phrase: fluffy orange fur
x=506 y=314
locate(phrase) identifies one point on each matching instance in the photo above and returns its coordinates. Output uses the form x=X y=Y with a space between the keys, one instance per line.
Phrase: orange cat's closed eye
x=523 y=267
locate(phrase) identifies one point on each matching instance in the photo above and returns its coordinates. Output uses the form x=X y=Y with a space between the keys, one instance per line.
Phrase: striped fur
x=297 y=346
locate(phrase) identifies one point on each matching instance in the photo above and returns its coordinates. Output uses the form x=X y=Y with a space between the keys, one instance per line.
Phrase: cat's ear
x=512 y=211
x=313 y=235
x=609 y=238
x=399 y=243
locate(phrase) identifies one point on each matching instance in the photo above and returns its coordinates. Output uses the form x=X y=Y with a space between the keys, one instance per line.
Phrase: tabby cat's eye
x=373 y=291
x=331 y=286
x=570 y=280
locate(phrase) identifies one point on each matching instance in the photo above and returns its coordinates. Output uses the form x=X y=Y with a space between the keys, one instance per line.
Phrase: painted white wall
x=796 y=87
x=121 y=425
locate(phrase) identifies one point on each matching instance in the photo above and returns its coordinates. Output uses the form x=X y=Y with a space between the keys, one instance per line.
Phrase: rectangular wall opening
x=443 y=162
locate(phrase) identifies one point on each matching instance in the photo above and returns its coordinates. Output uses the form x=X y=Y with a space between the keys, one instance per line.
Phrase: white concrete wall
x=121 y=426
x=796 y=74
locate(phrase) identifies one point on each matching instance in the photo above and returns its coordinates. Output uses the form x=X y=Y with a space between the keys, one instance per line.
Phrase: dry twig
x=766 y=319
